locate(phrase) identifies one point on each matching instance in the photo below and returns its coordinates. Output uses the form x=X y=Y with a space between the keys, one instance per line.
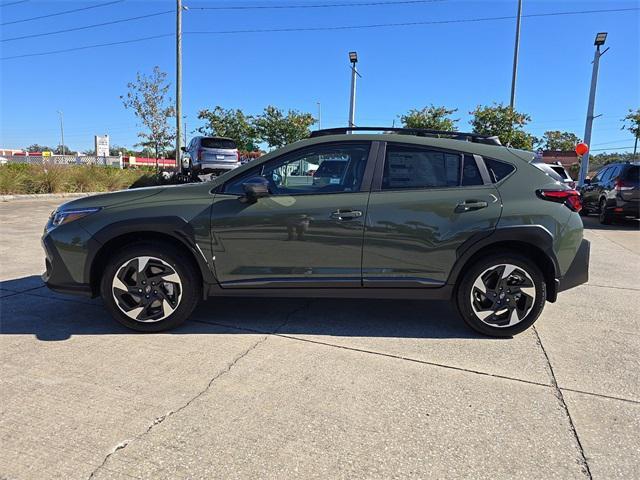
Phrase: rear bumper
x=578 y=272
x=217 y=166
x=625 y=208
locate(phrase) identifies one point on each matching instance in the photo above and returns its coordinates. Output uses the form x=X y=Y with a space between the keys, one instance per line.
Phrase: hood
x=113 y=198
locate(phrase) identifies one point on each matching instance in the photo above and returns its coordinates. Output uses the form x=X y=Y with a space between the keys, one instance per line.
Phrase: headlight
x=60 y=217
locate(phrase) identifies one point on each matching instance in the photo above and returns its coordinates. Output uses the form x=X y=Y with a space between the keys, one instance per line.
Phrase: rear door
x=425 y=203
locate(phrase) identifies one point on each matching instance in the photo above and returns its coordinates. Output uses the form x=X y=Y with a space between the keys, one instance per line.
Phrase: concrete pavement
x=282 y=388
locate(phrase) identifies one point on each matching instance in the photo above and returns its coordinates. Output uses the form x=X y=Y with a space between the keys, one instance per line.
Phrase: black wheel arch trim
x=173 y=226
x=535 y=235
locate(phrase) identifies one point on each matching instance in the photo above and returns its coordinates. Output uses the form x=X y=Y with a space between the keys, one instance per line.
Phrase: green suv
x=411 y=214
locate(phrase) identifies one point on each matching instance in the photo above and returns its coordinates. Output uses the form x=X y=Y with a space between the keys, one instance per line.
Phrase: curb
x=44 y=196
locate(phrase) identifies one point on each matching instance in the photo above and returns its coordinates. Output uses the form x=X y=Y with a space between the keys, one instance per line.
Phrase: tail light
x=622 y=185
x=238 y=155
x=200 y=150
x=570 y=198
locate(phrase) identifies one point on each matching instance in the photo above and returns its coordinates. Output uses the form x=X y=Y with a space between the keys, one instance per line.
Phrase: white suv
x=214 y=155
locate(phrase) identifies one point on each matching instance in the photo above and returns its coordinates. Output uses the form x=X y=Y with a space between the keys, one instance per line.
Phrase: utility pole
x=516 y=49
x=353 y=58
x=584 y=164
x=319 y=116
x=61 y=130
x=185 y=131
x=178 y=84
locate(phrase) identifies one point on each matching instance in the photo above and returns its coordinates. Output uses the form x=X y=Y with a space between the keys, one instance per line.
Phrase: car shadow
x=27 y=307
x=592 y=222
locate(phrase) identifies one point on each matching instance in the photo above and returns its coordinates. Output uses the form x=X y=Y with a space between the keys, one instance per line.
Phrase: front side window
x=408 y=167
x=334 y=168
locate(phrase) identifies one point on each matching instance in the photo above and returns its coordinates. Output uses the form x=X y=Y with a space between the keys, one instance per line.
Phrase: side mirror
x=184 y=149
x=255 y=188
x=587 y=181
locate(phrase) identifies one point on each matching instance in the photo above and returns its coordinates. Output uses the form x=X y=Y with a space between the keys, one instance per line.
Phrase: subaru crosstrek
x=414 y=214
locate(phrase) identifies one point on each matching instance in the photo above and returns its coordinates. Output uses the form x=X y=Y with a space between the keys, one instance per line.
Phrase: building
x=567 y=158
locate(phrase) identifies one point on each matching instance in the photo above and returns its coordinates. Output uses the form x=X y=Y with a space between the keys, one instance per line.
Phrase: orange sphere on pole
x=582 y=148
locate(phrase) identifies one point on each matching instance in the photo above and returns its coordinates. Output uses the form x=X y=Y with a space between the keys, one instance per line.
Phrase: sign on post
x=102 y=145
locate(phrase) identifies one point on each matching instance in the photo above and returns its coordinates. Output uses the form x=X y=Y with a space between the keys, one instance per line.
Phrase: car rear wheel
x=501 y=295
x=605 y=217
x=150 y=287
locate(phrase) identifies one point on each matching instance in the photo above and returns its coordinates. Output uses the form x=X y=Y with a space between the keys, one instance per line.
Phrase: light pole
x=178 y=84
x=353 y=58
x=516 y=49
x=319 y=116
x=584 y=165
x=61 y=131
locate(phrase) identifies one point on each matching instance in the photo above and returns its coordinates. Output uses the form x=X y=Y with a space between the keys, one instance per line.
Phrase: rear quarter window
x=498 y=170
x=632 y=174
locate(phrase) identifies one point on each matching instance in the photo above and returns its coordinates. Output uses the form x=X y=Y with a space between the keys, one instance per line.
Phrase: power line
x=13 y=3
x=61 y=13
x=605 y=149
x=486 y=19
x=403 y=24
x=73 y=49
x=325 y=5
x=75 y=29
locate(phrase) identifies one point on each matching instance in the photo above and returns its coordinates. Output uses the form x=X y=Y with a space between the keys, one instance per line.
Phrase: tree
x=278 y=130
x=431 y=117
x=632 y=123
x=557 y=140
x=230 y=123
x=505 y=123
x=63 y=150
x=148 y=99
x=35 y=148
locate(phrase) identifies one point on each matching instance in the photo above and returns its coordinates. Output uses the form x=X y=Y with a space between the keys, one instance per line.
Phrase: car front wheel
x=150 y=287
x=501 y=295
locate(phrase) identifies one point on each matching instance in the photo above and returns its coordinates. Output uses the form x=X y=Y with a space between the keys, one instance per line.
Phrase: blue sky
x=459 y=65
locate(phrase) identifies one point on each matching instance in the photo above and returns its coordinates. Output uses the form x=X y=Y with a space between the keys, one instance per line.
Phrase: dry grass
x=23 y=178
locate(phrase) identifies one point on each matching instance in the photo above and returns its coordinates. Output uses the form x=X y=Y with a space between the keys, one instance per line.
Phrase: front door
x=307 y=232
x=424 y=205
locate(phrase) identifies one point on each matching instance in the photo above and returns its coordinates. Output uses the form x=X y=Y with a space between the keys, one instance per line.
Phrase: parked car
x=413 y=216
x=563 y=174
x=215 y=155
x=613 y=192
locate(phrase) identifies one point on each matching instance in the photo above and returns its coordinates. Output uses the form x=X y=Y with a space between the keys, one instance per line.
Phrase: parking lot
x=282 y=388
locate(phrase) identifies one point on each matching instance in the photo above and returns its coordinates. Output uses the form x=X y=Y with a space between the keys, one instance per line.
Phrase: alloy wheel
x=147 y=289
x=503 y=295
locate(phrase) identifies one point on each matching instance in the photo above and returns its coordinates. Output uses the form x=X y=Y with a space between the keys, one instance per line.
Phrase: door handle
x=345 y=214
x=470 y=205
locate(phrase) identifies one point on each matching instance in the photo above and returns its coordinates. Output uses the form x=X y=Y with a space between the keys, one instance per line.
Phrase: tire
x=527 y=290
x=160 y=297
x=605 y=217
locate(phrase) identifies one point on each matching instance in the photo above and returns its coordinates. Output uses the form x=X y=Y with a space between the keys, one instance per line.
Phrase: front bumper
x=64 y=265
x=578 y=272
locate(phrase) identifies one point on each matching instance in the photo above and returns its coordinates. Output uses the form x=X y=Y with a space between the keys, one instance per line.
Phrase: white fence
x=64 y=160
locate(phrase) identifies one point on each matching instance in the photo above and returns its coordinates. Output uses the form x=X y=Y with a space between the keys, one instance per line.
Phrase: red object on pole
x=582 y=148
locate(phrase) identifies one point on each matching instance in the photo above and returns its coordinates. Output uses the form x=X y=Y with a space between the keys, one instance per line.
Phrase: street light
x=61 y=131
x=353 y=58
x=598 y=42
x=600 y=39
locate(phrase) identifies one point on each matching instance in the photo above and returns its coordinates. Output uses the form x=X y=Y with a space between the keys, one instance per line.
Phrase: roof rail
x=419 y=132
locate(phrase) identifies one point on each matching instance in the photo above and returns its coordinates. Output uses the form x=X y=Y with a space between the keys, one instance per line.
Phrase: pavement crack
x=125 y=443
x=582 y=459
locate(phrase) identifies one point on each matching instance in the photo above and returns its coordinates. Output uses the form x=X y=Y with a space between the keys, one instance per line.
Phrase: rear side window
x=498 y=170
x=408 y=167
x=217 y=143
x=560 y=171
x=632 y=174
